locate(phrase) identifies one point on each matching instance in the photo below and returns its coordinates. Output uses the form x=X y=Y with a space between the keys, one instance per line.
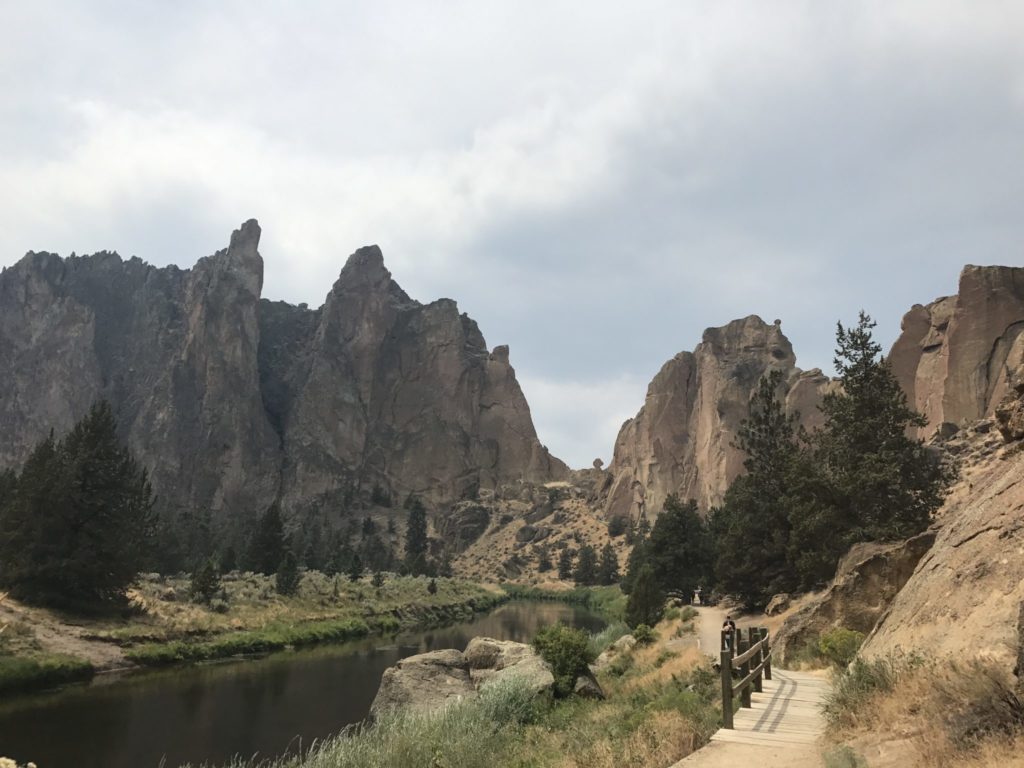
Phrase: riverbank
x=661 y=705
x=41 y=648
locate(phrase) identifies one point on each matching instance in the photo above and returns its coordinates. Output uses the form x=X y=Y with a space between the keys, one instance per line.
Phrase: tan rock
x=682 y=439
x=424 y=681
x=964 y=596
x=954 y=356
x=867 y=580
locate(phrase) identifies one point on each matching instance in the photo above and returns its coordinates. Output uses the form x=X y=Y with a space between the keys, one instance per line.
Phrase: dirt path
x=709 y=629
x=56 y=636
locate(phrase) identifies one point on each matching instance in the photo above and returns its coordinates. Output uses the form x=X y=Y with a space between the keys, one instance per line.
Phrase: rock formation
x=954 y=356
x=435 y=679
x=965 y=595
x=234 y=402
x=866 y=582
x=682 y=439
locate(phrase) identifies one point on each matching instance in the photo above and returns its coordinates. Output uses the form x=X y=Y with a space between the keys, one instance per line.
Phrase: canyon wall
x=234 y=402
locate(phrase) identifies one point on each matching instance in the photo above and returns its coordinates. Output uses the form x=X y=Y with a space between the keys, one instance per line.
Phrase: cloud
x=594 y=188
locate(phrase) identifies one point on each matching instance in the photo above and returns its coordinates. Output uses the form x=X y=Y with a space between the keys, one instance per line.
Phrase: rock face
x=425 y=681
x=964 y=597
x=866 y=582
x=954 y=356
x=433 y=680
x=234 y=402
x=681 y=440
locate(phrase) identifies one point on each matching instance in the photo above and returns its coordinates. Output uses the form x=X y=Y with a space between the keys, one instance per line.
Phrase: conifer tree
x=585 y=572
x=416 y=538
x=565 y=564
x=205 y=582
x=646 y=603
x=678 y=549
x=266 y=549
x=608 y=568
x=871 y=481
x=355 y=568
x=76 y=527
x=288 y=577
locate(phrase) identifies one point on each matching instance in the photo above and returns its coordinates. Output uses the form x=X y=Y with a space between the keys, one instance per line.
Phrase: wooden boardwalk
x=788 y=711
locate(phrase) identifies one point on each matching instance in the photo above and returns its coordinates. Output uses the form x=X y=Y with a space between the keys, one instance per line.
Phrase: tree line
x=77 y=526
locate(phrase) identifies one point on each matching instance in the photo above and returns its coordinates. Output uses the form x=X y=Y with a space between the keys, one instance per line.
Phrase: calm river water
x=211 y=712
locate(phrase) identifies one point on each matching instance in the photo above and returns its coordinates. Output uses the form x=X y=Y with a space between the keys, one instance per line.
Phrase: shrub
x=603 y=639
x=643 y=634
x=840 y=646
x=617 y=526
x=568 y=652
x=861 y=682
x=287 y=582
x=205 y=582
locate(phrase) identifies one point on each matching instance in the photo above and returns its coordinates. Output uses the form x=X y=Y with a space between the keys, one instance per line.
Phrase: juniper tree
x=678 y=549
x=267 y=546
x=608 y=567
x=565 y=564
x=646 y=603
x=585 y=572
x=288 y=577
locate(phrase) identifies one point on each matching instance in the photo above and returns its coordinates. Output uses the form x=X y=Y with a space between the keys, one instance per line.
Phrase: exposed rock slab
x=491 y=660
x=964 y=597
x=867 y=580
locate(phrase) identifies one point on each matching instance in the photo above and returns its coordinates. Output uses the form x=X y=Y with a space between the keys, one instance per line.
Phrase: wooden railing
x=751 y=658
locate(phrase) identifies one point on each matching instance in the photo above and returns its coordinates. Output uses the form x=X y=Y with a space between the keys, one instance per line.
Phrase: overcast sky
x=593 y=182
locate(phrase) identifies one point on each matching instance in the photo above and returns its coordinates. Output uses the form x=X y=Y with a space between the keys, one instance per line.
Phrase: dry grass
x=942 y=715
x=663 y=739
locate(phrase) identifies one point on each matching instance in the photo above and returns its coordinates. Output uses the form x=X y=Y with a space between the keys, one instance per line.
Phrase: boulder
x=624 y=644
x=491 y=660
x=777 y=604
x=587 y=687
x=425 y=681
x=866 y=581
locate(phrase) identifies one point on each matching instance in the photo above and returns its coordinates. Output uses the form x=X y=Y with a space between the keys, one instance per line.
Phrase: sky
x=593 y=182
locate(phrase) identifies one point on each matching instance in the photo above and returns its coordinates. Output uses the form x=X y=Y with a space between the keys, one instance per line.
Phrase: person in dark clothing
x=728 y=632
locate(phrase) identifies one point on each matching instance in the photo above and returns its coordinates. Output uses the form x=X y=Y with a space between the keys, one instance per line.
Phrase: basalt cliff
x=234 y=402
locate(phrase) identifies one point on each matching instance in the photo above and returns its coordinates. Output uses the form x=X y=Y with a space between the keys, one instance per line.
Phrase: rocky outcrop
x=964 y=597
x=425 y=681
x=234 y=402
x=682 y=439
x=866 y=582
x=432 y=680
x=955 y=355
x=175 y=351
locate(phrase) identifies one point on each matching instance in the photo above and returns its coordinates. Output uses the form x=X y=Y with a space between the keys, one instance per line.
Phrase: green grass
x=609 y=602
x=273 y=638
x=23 y=673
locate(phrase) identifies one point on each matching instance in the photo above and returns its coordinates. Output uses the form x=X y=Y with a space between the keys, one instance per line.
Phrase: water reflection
x=215 y=711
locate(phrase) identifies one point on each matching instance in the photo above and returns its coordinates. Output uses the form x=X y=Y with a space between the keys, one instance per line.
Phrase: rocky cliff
x=954 y=356
x=234 y=402
x=682 y=439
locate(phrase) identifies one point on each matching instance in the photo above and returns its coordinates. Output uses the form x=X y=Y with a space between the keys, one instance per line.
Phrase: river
x=211 y=712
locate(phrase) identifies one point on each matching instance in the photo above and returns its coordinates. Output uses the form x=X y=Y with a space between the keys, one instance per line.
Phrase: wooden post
x=741 y=647
x=726 y=662
x=755 y=637
x=767 y=654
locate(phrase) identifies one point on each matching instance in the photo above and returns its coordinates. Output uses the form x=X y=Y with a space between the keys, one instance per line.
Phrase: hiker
x=728 y=633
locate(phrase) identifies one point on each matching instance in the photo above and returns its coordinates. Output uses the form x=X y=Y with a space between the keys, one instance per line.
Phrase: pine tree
x=754 y=518
x=205 y=582
x=678 y=549
x=77 y=525
x=646 y=603
x=432 y=586
x=355 y=568
x=871 y=481
x=416 y=538
x=585 y=572
x=608 y=568
x=266 y=549
x=565 y=564
x=288 y=576
x=378 y=579
x=544 y=563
